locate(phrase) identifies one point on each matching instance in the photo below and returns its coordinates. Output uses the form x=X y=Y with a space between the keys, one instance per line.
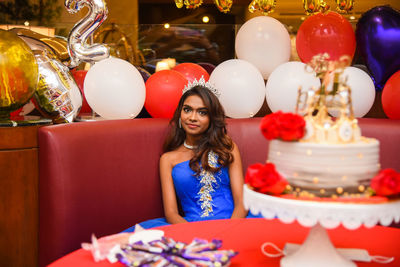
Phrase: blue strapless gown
x=201 y=198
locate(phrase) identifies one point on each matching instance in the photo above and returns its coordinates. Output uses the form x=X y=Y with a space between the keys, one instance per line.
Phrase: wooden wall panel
x=19 y=196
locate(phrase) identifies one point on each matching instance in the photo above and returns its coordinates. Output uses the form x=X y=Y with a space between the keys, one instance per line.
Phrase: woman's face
x=194 y=116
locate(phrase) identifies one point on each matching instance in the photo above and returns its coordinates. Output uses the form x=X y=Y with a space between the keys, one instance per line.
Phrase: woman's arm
x=168 y=191
x=236 y=177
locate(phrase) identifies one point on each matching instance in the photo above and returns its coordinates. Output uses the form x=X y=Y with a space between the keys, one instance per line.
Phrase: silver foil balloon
x=57 y=95
x=78 y=48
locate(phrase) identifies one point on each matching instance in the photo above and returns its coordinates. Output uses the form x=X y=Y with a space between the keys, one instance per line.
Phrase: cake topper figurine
x=333 y=97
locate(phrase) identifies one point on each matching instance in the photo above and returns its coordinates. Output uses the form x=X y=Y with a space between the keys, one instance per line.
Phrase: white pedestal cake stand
x=317 y=249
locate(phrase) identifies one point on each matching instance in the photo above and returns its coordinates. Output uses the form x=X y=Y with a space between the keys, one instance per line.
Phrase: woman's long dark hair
x=214 y=139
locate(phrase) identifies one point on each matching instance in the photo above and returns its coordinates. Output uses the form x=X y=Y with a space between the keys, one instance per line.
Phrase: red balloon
x=163 y=91
x=391 y=97
x=325 y=33
x=79 y=76
x=192 y=71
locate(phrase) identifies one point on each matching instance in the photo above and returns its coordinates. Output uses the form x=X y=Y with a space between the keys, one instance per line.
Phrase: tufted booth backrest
x=102 y=177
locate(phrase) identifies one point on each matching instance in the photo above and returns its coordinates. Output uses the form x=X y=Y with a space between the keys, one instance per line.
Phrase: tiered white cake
x=326 y=169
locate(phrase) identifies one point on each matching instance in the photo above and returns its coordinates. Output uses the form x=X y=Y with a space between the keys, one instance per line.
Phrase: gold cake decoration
x=333 y=97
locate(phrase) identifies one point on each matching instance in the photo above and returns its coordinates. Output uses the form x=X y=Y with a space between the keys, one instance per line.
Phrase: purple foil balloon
x=378 y=40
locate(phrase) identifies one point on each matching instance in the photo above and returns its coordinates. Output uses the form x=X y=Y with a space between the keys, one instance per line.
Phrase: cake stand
x=317 y=249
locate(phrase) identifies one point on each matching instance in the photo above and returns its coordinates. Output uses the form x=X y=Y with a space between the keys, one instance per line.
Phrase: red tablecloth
x=247 y=235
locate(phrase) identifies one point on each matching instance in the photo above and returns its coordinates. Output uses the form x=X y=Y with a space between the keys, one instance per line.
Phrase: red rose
x=386 y=182
x=270 y=126
x=265 y=179
x=285 y=126
x=291 y=127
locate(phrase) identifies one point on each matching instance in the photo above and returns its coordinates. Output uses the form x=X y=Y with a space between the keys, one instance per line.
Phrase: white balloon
x=115 y=89
x=362 y=90
x=241 y=86
x=264 y=42
x=284 y=82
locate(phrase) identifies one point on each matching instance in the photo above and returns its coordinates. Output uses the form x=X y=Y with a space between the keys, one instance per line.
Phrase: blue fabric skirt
x=162 y=221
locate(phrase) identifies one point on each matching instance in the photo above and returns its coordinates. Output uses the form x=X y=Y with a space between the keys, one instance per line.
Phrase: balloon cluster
x=263 y=49
x=116 y=89
x=265 y=43
x=113 y=87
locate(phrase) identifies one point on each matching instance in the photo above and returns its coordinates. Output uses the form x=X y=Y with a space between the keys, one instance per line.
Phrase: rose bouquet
x=284 y=126
x=386 y=183
x=265 y=179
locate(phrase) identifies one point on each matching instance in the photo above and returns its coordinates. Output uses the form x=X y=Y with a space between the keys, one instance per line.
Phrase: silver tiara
x=201 y=82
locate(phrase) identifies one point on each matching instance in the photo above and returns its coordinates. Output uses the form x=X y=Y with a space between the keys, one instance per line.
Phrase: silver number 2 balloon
x=78 y=48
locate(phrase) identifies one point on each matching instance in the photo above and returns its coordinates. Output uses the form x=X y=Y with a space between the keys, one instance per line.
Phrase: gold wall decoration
x=344 y=6
x=314 y=6
x=222 y=5
x=268 y=6
x=264 y=6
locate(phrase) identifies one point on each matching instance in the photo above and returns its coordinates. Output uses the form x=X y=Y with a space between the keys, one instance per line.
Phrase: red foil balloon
x=391 y=97
x=79 y=76
x=325 y=33
x=163 y=91
x=192 y=71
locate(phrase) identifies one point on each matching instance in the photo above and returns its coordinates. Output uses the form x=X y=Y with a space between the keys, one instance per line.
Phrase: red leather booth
x=102 y=177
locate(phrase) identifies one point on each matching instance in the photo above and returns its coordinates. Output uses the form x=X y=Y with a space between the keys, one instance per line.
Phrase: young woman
x=201 y=168
x=201 y=171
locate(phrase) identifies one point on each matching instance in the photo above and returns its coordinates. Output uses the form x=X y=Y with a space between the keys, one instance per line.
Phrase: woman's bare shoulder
x=174 y=157
x=168 y=156
x=234 y=146
x=235 y=150
x=171 y=156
